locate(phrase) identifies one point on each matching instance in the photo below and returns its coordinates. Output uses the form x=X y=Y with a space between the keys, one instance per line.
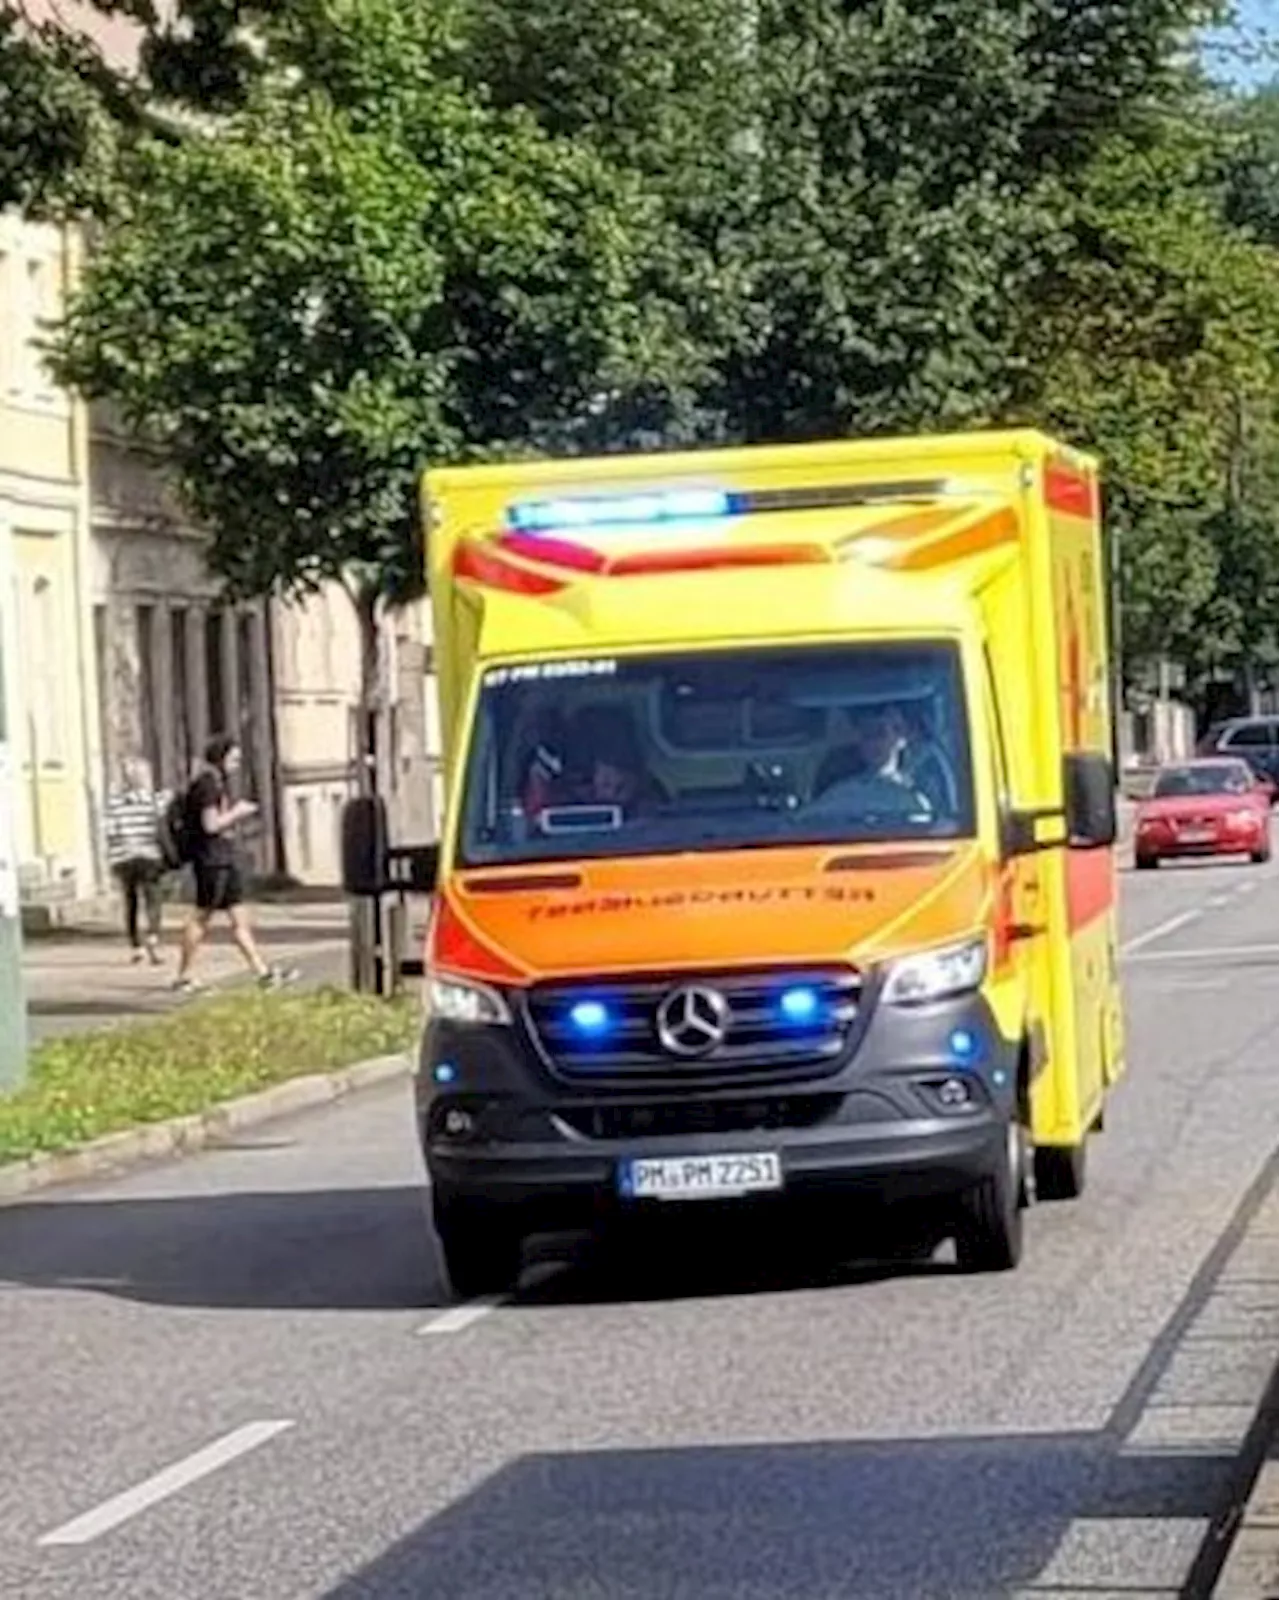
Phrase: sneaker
x=279 y=978
x=185 y=986
x=136 y=958
x=154 y=956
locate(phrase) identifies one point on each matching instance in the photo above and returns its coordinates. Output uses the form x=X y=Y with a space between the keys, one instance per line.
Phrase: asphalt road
x=252 y=1349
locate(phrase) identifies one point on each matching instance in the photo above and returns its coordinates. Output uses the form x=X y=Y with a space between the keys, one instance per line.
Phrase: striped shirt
x=132 y=825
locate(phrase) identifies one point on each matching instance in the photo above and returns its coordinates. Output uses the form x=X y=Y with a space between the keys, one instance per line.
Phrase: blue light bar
x=613 y=511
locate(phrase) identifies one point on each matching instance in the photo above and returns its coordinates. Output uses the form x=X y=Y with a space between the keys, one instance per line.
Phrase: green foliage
x=344 y=283
x=96 y=1083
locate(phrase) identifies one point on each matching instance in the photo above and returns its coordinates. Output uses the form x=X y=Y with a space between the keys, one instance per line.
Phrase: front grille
x=760 y=1042
x=675 y=1119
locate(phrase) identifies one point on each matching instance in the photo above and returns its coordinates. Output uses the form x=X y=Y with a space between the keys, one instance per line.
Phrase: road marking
x=1222 y=952
x=459 y=1317
x=1161 y=929
x=169 y=1481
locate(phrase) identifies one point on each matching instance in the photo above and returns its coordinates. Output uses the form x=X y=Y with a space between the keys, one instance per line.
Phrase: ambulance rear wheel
x=1061 y=1171
x=988 y=1230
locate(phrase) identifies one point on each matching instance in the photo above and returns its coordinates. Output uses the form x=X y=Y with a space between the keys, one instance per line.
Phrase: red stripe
x=554 y=552
x=1069 y=491
x=1091 y=886
x=482 y=566
x=647 y=562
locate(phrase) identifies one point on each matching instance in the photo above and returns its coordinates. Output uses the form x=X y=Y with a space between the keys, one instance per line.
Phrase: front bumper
x=877 y=1122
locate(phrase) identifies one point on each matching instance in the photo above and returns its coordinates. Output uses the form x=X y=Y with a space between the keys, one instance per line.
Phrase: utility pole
x=13 y=1006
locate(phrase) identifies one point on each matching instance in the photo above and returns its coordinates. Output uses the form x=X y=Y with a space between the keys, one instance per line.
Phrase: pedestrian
x=133 y=819
x=213 y=815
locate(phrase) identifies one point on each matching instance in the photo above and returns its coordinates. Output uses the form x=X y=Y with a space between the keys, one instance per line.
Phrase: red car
x=1211 y=807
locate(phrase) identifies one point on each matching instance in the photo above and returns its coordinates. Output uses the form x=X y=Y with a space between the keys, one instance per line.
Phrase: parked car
x=1215 y=806
x=1253 y=739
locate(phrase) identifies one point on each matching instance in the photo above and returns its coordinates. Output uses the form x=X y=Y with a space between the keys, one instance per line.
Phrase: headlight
x=937 y=974
x=454 y=1000
x=1244 y=818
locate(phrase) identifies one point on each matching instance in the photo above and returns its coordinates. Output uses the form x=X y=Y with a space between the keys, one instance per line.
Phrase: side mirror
x=364 y=846
x=1089 y=792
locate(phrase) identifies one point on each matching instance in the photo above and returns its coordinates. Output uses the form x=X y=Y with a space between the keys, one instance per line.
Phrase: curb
x=115 y=1153
x=1240 y=1558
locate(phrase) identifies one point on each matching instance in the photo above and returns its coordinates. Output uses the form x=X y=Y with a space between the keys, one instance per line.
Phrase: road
x=252 y=1350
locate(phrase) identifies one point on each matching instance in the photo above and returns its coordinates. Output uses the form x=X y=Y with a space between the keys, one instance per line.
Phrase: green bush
x=94 y=1083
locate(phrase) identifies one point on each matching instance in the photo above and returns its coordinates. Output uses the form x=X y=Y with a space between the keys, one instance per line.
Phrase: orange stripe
x=1091 y=886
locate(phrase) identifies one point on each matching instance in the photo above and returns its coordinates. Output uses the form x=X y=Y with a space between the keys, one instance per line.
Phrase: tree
x=363 y=271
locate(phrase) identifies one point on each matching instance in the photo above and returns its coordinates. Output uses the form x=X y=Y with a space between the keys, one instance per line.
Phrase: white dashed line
x=459 y=1317
x=170 y=1481
x=1222 y=952
x=1161 y=930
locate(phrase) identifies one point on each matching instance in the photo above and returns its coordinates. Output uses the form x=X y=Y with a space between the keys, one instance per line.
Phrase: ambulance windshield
x=730 y=749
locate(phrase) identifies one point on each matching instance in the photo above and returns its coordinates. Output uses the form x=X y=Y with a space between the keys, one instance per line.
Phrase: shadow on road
x=322 y=1250
x=888 y=1520
x=372 y=1250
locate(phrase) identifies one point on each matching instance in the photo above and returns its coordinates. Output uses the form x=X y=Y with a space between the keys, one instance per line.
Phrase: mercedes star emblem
x=692 y=1021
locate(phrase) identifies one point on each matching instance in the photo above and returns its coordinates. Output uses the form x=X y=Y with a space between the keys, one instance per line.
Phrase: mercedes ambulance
x=778 y=858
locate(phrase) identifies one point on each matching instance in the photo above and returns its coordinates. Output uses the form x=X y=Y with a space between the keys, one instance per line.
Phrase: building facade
x=48 y=668
x=316 y=653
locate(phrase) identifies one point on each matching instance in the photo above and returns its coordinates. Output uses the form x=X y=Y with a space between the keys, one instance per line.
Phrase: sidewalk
x=1252 y=1571
x=83 y=979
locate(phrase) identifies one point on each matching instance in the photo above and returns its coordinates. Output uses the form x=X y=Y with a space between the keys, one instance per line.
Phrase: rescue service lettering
x=708 y=899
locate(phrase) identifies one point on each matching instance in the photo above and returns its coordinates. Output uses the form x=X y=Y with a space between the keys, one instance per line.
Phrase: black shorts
x=218 y=888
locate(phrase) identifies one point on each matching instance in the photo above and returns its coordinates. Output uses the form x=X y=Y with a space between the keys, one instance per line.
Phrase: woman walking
x=134 y=812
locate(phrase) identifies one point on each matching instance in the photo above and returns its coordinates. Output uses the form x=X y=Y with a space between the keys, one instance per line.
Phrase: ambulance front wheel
x=988 y=1230
x=481 y=1248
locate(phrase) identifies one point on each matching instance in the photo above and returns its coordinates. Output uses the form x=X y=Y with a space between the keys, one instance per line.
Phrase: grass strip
x=89 y=1084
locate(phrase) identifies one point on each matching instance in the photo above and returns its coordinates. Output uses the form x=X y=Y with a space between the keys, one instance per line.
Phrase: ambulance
x=778 y=859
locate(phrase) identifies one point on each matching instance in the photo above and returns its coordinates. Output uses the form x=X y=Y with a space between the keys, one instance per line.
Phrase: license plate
x=717 y=1177
x=1197 y=836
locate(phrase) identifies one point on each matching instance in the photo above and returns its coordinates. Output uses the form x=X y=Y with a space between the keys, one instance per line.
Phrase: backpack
x=174 y=832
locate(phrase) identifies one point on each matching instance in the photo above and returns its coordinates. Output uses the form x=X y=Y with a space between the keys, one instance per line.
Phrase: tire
x=988 y=1229
x=1146 y=863
x=1061 y=1171
x=1260 y=857
x=481 y=1249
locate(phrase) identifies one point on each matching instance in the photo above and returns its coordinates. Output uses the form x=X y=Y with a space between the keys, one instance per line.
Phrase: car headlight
x=457 y=1000
x=937 y=974
x=1244 y=818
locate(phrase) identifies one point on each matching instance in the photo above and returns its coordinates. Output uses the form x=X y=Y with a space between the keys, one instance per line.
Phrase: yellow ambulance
x=778 y=860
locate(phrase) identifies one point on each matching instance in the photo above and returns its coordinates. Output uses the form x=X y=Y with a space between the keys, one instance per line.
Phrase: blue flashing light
x=965 y=1046
x=444 y=1072
x=625 y=510
x=799 y=1005
x=589 y=1018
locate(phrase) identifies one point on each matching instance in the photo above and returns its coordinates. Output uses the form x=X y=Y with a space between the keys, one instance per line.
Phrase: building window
x=179 y=690
x=303 y=811
x=42 y=652
x=102 y=669
x=148 y=708
x=213 y=636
